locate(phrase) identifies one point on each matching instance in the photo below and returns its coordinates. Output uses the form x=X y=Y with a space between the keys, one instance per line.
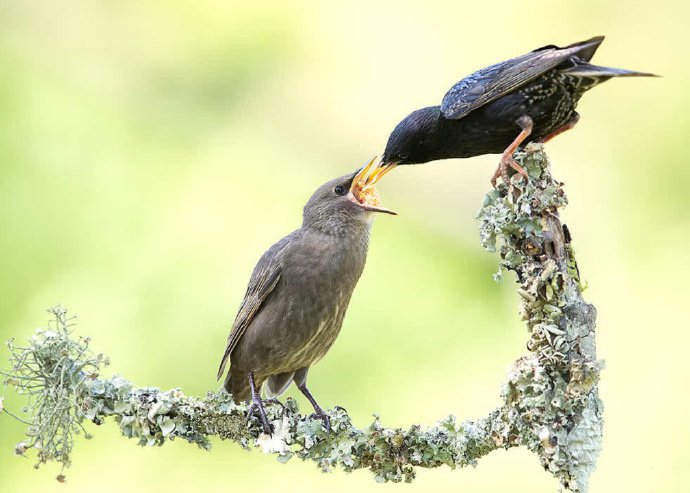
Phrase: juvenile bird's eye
x=340 y=190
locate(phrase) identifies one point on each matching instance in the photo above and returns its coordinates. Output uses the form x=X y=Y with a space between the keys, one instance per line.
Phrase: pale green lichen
x=61 y=375
x=550 y=402
x=52 y=371
x=553 y=389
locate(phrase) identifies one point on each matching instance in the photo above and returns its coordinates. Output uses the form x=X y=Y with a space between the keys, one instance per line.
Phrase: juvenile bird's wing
x=492 y=82
x=263 y=281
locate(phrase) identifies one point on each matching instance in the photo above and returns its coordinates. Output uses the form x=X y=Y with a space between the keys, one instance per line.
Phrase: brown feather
x=263 y=281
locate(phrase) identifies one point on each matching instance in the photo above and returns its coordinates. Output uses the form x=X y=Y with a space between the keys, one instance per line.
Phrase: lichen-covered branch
x=552 y=391
x=549 y=403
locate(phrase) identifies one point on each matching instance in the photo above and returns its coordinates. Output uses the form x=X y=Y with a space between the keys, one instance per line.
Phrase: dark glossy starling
x=299 y=291
x=501 y=107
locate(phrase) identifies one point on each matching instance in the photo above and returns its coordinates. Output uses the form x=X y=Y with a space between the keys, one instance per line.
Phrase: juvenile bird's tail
x=276 y=385
x=237 y=384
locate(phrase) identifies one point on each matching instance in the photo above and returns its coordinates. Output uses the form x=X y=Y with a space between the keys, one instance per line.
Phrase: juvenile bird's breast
x=319 y=279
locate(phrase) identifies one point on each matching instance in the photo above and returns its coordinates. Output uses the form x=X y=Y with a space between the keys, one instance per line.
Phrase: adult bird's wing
x=492 y=82
x=263 y=281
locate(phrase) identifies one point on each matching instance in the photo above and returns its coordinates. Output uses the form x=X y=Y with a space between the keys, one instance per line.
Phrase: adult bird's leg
x=301 y=380
x=258 y=406
x=571 y=123
x=525 y=123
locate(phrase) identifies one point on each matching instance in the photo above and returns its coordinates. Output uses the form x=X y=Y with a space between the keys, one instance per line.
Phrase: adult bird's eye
x=340 y=190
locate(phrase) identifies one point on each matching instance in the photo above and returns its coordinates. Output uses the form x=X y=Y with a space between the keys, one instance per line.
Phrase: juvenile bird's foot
x=318 y=412
x=321 y=414
x=274 y=400
x=258 y=408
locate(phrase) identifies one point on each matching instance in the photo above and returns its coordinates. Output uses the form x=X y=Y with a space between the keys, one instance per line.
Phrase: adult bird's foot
x=506 y=162
x=320 y=414
x=526 y=124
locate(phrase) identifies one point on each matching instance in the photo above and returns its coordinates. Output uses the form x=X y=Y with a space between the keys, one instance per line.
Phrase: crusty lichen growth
x=549 y=403
x=62 y=376
x=553 y=390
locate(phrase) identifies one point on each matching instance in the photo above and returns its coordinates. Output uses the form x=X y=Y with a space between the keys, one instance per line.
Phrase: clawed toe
x=502 y=170
x=258 y=406
x=258 y=409
x=525 y=123
x=273 y=400
x=323 y=417
x=255 y=408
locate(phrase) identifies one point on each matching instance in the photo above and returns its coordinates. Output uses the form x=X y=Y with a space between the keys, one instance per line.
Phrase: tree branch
x=549 y=403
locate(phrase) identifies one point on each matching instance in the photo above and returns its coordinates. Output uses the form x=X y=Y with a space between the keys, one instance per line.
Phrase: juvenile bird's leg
x=258 y=406
x=301 y=381
x=571 y=123
x=525 y=123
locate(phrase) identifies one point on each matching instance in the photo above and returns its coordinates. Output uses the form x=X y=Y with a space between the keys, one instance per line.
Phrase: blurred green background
x=152 y=150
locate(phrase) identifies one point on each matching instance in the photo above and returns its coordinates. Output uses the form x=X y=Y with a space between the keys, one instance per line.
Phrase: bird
x=502 y=107
x=299 y=292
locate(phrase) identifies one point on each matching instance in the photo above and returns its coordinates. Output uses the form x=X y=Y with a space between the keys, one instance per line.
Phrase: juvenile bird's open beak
x=362 y=191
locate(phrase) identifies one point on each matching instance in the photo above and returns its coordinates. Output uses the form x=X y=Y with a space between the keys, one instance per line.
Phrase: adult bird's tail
x=589 y=70
x=587 y=48
x=589 y=75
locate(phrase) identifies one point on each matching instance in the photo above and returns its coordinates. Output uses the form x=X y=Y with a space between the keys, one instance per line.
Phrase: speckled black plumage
x=478 y=114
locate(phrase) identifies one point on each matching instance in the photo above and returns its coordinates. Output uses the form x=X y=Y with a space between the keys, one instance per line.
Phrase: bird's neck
x=357 y=228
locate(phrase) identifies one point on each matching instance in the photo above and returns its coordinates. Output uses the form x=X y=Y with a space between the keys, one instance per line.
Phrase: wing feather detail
x=263 y=281
x=490 y=83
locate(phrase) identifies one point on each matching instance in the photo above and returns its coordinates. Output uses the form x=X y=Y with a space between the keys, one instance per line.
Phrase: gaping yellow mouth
x=363 y=191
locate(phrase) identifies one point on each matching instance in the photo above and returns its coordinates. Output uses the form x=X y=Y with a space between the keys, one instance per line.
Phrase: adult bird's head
x=350 y=200
x=417 y=139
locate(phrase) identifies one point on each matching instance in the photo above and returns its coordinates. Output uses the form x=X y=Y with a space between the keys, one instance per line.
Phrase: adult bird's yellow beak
x=363 y=191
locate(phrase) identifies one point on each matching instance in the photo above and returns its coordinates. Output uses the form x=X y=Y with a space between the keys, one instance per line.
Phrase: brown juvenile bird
x=299 y=291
